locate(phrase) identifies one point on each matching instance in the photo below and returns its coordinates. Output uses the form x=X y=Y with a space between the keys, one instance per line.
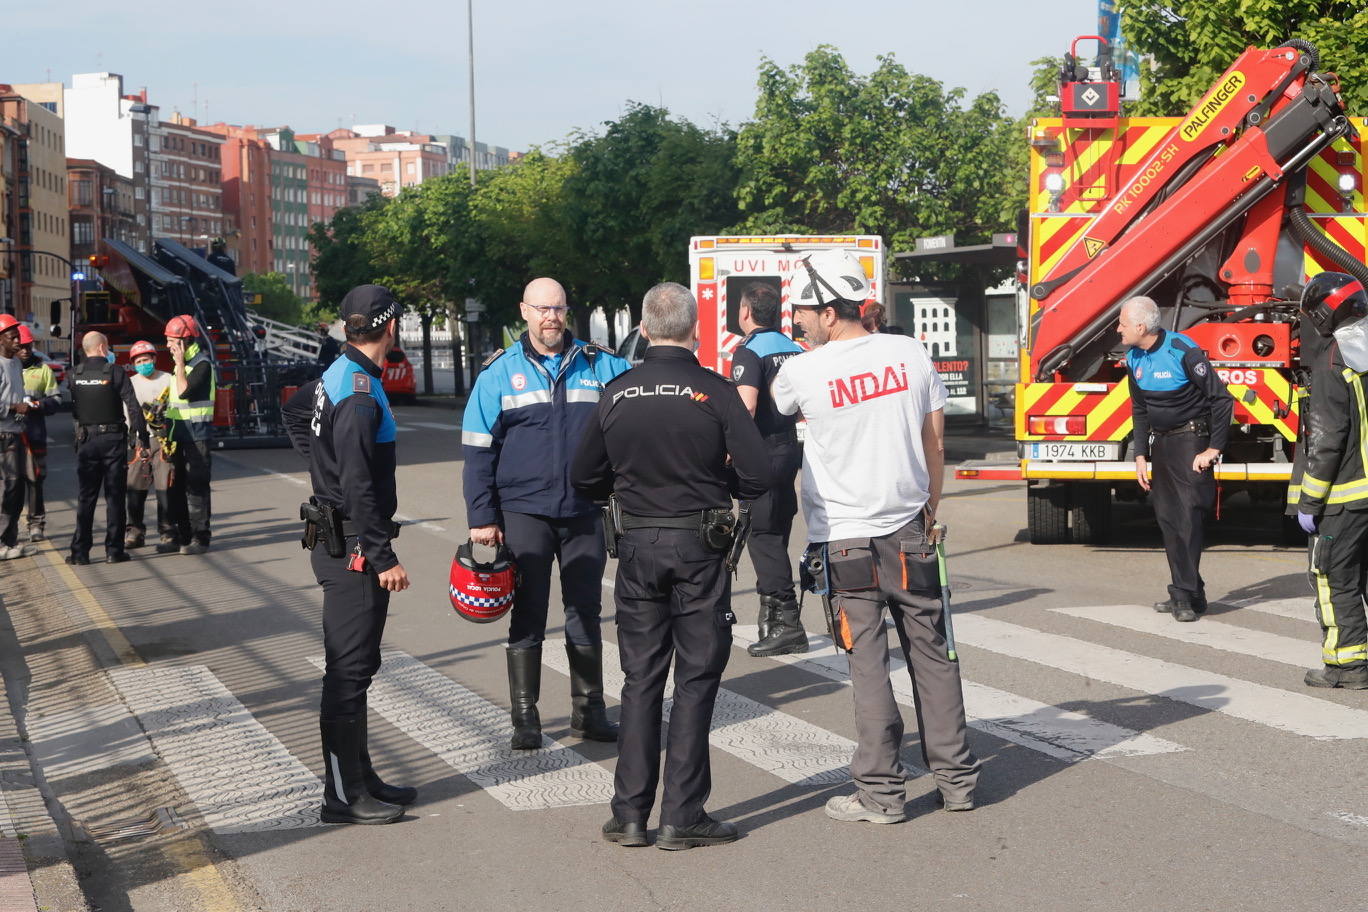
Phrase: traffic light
x=98 y=260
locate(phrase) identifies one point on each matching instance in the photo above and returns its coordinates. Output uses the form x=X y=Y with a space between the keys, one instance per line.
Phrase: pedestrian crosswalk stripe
x=1207 y=632
x=471 y=735
x=774 y=741
x=236 y=772
x=1058 y=733
x=1299 y=609
x=1298 y=714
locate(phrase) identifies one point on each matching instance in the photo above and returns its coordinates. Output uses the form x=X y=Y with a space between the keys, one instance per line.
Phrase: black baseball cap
x=374 y=302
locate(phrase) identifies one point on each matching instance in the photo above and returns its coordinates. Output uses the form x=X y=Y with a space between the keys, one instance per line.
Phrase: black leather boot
x=786 y=634
x=345 y=797
x=763 y=619
x=588 y=714
x=524 y=687
x=393 y=794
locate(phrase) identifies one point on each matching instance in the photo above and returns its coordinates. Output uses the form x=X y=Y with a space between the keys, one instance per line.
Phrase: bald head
x=543 y=308
x=94 y=343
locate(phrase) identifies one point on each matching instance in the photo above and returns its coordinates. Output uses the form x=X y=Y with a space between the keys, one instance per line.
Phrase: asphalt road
x=1128 y=761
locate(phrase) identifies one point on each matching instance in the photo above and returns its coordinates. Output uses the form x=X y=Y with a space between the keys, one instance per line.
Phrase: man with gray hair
x=659 y=443
x=1176 y=398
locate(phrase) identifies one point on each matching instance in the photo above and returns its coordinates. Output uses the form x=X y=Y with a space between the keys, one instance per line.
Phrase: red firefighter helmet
x=1332 y=299
x=25 y=334
x=142 y=348
x=482 y=592
x=182 y=327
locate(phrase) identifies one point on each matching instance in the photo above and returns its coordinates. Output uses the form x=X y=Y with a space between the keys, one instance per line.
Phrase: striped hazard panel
x=1263 y=396
x=1106 y=407
x=1338 y=213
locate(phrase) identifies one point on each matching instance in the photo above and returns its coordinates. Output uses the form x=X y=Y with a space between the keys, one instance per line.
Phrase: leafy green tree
x=892 y=153
x=1192 y=42
x=636 y=193
x=278 y=300
x=340 y=260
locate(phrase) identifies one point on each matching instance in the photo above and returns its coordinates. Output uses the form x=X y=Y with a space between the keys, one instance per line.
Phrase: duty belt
x=105 y=428
x=691 y=521
x=1199 y=426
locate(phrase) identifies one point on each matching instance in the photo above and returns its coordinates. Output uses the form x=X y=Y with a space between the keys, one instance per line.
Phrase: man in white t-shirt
x=152 y=387
x=873 y=462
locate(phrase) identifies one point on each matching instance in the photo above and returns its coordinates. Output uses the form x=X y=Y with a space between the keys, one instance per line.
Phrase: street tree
x=278 y=300
x=1192 y=42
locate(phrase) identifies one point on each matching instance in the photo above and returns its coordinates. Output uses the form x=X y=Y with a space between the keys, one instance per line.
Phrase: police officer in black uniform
x=754 y=363
x=103 y=406
x=1179 y=399
x=342 y=424
x=660 y=442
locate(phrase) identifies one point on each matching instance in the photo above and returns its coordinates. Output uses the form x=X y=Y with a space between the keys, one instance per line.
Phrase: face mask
x=109 y=356
x=1353 y=344
x=146 y=368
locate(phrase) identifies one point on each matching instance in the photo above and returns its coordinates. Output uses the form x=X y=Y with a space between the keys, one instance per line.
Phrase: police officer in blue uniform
x=1179 y=401
x=343 y=426
x=754 y=363
x=673 y=442
x=524 y=417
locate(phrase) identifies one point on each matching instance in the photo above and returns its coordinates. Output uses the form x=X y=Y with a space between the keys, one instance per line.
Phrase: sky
x=543 y=68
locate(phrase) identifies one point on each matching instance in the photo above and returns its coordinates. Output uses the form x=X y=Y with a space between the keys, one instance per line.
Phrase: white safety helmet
x=827 y=276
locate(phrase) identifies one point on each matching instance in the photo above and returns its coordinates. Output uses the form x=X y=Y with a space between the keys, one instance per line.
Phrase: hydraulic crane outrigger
x=1263 y=121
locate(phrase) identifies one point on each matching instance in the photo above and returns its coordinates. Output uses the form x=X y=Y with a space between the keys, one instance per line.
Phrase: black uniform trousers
x=1182 y=500
x=12 y=478
x=772 y=520
x=1339 y=571
x=188 y=495
x=577 y=544
x=35 y=472
x=101 y=463
x=354 y=612
x=671 y=592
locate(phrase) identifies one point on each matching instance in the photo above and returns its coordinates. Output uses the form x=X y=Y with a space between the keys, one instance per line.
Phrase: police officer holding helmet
x=1330 y=489
x=104 y=407
x=343 y=426
x=660 y=442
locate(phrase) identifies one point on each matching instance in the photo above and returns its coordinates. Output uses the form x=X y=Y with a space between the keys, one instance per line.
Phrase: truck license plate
x=1101 y=452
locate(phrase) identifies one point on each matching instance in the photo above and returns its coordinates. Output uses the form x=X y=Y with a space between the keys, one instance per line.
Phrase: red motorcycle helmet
x=482 y=592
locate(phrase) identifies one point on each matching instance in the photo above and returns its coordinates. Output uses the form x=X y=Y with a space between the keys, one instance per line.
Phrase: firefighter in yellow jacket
x=1332 y=506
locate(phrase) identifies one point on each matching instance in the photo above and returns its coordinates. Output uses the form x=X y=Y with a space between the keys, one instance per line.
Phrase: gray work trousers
x=895 y=572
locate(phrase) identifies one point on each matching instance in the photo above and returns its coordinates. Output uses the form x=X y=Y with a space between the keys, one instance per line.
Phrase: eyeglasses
x=549 y=310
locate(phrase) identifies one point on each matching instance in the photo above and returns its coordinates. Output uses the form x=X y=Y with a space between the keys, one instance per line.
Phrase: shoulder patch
x=361 y=382
x=492 y=358
x=1200 y=368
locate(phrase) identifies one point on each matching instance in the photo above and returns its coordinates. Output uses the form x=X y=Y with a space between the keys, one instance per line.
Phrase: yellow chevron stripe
x=1081 y=226
x=1139 y=150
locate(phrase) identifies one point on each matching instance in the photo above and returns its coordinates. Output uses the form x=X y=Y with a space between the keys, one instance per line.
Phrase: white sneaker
x=851 y=808
x=15 y=552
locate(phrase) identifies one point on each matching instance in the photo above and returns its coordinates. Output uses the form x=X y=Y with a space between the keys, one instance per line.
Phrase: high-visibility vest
x=201 y=411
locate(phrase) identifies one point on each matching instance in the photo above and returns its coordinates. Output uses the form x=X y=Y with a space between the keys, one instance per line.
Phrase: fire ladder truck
x=1220 y=216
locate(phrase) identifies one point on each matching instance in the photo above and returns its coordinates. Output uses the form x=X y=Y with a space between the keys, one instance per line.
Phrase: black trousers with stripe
x=1338 y=571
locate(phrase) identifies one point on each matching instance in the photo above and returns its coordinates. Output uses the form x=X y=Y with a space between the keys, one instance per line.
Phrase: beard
x=550 y=337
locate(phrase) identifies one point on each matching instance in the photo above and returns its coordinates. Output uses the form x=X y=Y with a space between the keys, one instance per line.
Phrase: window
x=82 y=233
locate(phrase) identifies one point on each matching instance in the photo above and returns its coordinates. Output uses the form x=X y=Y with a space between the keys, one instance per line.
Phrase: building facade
x=186 y=182
x=245 y=172
x=486 y=156
x=100 y=203
x=361 y=189
x=38 y=246
x=396 y=159
x=105 y=125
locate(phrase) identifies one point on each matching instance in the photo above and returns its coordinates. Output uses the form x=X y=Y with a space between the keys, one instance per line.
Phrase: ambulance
x=720 y=268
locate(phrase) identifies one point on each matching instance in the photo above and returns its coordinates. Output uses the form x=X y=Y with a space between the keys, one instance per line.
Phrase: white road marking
x=1352 y=819
x=400 y=429
x=1055 y=732
x=239 y=775
x=292 y=479
x=431 y=527
x=471 y=735
x=435 y=426
x=1299 y=609
x=774 y=741
x=1291 y=712
x=1213 y=634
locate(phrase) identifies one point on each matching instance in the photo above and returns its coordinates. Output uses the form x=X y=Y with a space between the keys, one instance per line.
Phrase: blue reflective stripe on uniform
x=771 y=342
x=1161 y=370
x=338 y=384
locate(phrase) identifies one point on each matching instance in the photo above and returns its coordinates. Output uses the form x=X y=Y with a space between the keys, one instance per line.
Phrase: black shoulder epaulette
x=492 y=358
